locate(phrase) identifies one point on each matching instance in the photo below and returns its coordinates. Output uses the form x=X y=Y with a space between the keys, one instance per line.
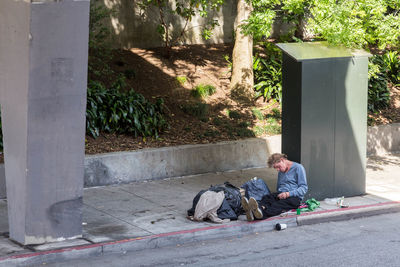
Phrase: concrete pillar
x=43 y=71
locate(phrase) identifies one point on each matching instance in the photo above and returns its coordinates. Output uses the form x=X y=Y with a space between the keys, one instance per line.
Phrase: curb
x=146 y=242
x=198 y=234
x=348 y=213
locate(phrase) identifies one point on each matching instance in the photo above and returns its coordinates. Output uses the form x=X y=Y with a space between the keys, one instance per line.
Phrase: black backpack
x=232 y=196
x=231 y=207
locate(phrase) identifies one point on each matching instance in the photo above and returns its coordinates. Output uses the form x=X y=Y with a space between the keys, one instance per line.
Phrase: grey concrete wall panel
x=383 y=139
x=333 y=109
x=177 y=161
x=132 y=27
x=45 y=102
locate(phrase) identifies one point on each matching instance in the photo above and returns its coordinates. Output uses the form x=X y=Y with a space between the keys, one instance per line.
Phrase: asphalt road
x=373 y=241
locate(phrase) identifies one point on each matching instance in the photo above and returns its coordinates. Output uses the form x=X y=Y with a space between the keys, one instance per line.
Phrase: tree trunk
x=242 y=79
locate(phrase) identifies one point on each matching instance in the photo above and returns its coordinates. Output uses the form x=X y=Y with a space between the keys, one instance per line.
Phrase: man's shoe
x=246 y=208
x=253 y=205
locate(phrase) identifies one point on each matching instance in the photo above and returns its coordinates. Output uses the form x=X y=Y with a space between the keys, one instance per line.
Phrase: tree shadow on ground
x=375 y=163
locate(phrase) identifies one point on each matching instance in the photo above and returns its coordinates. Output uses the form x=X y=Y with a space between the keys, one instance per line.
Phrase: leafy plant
x=276 y=113
x=272 y=129
x=244 y=124
x=259 y=24
x=357 y=23
x=378 y=91
x=268 y=73
x=203 y=90
x=100 y=51
x=197 y=109
x=181 y=80
x=258 y=130
x=350 y=23
x=392 y=64
x=233 y=114
x=244 y=132
x=114 y=107
x=257 y=114
x=113 y=111
x=229 y=62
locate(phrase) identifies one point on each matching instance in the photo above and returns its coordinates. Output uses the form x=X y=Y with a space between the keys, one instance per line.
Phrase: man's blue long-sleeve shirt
x=294 y=181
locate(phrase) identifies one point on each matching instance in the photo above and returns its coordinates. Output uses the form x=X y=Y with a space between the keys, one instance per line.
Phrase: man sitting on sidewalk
x=291 y=188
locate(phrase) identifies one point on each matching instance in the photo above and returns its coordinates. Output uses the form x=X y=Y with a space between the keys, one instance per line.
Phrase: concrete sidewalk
x=150 y=214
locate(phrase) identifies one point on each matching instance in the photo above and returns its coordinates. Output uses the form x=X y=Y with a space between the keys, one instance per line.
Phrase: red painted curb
x=82 y=247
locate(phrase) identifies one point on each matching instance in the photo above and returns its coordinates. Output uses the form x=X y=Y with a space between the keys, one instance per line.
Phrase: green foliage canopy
x=350 y=23
x=357 y=23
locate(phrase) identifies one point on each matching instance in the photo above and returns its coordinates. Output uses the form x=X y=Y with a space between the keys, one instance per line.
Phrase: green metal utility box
x=324 y=115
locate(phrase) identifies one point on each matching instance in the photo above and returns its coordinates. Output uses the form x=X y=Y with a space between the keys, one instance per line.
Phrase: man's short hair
x=275 y=158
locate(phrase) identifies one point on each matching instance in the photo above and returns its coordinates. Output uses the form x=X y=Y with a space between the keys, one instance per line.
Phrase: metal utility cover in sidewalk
x=324 y=115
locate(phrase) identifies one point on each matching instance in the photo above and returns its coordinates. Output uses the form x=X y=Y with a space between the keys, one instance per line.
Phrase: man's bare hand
x=284 y=195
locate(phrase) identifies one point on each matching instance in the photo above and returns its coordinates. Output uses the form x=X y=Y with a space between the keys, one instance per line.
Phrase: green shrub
x=268 y=73
x=181 y=80
x=203 y=90
x=100 y=51
x=232 y=114
x=271 y=121
x=257 y=114
x=114 y=107
x=272 y=129
x=392 y=64
x=244 y=124
x=258 y=130
x=244 y=132
x=217 y=121
x=378 y=91
x=113 y=111
x=276 y=113
x=197 y=109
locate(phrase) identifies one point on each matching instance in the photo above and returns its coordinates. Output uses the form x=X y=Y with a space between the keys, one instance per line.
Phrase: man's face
x=280 y=166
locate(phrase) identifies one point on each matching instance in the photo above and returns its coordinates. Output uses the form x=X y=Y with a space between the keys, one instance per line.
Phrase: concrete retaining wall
x=176 y=161
x=131 y=27
x=383 y=139
x=196 y=159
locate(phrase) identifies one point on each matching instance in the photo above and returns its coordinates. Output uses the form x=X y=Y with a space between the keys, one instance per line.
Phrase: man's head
x=279 y=162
